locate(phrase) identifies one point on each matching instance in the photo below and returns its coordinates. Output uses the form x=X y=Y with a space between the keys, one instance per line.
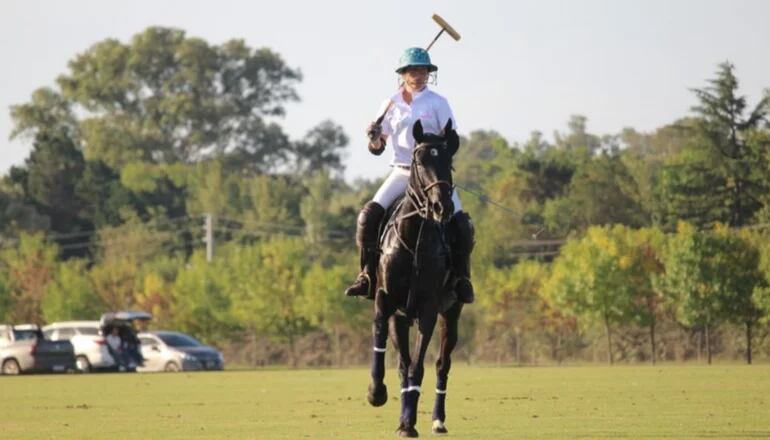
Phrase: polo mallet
x=444 y=27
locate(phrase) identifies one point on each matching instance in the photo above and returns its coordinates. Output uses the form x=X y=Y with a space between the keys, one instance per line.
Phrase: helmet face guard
x=415 y=57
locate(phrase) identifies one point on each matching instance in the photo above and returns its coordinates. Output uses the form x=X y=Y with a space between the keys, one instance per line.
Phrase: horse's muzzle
x=441 y=212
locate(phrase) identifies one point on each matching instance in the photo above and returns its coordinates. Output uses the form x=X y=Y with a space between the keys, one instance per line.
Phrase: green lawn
x=675 y=402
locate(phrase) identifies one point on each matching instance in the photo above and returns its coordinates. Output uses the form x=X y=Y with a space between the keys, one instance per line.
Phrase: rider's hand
x=377 y=147
x=376 y=143
x=374 y=131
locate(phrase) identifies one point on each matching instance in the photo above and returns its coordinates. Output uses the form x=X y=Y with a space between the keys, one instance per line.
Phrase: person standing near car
x=115 y=346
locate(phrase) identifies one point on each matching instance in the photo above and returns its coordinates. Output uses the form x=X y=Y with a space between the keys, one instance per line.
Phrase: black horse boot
x=462 y=246
x=367 y=231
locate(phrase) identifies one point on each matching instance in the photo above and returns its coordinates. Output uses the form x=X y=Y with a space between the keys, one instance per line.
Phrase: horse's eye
x=433 y=152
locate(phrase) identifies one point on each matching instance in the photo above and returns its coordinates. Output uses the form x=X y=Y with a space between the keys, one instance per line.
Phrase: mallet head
x=444 y=25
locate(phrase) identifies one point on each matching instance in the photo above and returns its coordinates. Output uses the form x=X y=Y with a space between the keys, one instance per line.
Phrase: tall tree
x=28 y=269
x=320 y=150
x=166 y=97
x=50 y=180
x=601 y=276
x=723 y=175
x=602 y=192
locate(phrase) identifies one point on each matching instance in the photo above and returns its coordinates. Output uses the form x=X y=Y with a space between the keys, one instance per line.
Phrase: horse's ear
x=451 y=137
x=417 y=133
x=448 y=126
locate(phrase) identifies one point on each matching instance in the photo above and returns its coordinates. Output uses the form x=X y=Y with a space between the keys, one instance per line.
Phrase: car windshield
x=21 y=335
x=179 y=340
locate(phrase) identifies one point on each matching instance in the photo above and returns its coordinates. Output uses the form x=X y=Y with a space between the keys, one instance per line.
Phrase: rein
x=419 y=195
x=418 y=198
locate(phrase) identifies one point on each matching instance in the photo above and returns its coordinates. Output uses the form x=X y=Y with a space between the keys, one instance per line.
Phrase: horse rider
x=413 y=101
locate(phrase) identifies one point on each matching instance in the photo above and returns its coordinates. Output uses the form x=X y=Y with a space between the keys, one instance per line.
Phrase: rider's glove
x=376 y=143
x=374 y=131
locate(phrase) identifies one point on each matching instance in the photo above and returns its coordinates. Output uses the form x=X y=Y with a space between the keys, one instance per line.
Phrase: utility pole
x=209 y=239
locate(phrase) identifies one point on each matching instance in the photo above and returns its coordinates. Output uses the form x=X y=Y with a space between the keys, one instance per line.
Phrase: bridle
x=417 y=194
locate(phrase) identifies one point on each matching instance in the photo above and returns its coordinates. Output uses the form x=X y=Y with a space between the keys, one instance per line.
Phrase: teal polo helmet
x=415 y=57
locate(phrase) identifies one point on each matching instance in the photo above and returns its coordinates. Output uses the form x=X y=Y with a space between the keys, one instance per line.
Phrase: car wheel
x=172 y=367
x=11 y=367
x=82 y=364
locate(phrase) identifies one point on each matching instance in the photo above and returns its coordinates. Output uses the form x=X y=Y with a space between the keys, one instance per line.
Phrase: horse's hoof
x=439 y=427
x=407 y=431
x=377 y=395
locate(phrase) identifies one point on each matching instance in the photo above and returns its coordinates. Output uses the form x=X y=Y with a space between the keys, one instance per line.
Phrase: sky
x=520 y=66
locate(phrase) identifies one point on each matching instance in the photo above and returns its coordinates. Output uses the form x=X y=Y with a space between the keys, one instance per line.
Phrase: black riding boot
x=367 y=231
x=462 y=246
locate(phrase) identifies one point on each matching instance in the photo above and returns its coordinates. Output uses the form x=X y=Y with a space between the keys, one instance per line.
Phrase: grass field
x=673 y=402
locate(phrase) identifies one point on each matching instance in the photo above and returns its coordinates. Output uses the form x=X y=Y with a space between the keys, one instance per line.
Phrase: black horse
x=413 y=275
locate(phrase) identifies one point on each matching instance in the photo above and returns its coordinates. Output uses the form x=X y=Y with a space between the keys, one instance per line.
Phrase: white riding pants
x=395 y=185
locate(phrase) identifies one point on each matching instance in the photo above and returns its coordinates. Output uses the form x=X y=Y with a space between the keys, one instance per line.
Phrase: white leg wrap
x=412 y=388
x=438 y=391
x=380 y=350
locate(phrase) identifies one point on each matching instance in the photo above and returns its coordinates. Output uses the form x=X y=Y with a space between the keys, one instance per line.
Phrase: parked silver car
x=174 y=351
x=24 y=349
x=91 y=351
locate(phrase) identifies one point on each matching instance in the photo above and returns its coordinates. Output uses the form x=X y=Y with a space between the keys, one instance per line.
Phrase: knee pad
x=368 y=224
x=463 y=232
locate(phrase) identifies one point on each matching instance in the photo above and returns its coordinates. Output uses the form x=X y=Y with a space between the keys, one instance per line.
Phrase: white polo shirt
x=429 y=107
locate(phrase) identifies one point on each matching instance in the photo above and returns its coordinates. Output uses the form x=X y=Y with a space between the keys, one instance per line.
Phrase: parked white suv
x=91 y=350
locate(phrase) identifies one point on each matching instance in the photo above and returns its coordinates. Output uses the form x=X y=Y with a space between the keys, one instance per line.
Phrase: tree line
x=648 y=246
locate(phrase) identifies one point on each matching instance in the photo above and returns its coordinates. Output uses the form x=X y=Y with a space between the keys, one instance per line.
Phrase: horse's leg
x=400 y=337
x=425 y=325
x=383 y=309
x=447 y=330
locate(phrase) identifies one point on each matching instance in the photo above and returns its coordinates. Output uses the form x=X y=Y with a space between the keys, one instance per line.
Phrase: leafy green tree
x=549 y=169
x=273 y=204
x=503 y=229
x=28 y=269
x=712 y=278
x=723 y=175
x=16 y=215
x=71 y=294
x=511 y=303
x=325 y=307
x=166 y=97
x=482 y=156
x=687 y=281
x=103 y=195
x=743 y=287
x=270 y=298
x=47 y=112
x=50 y=180
x=320 y=150
x=201 y=299
x=602 y=192
x=645 y=156
x=5 y=300
x=597 y=277
x=578 y=138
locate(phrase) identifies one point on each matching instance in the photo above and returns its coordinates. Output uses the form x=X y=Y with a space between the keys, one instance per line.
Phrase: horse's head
x=430 y=181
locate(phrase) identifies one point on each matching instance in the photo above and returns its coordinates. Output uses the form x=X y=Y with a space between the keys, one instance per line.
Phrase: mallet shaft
x=434 y=40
